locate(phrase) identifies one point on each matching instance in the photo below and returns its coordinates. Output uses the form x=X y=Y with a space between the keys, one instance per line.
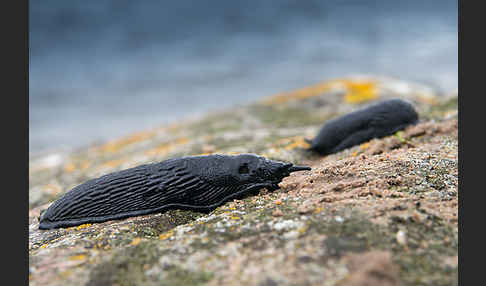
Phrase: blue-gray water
x=101 y=69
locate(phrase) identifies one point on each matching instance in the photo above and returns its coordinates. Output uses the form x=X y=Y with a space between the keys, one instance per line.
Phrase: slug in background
x=375 y=121
x=194 y=182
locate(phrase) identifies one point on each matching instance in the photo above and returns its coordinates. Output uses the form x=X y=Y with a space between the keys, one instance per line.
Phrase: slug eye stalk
x=299 y=168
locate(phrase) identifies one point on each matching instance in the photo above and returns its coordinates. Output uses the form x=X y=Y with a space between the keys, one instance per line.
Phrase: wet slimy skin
x=375 y=121
x=195 y=182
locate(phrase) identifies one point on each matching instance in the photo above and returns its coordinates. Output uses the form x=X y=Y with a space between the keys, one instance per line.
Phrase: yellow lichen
x=66 y=273
x=298 y=142
x=288 y=144
x=136 y=241
x=355 y=91
x=166 y=148
x=364 y=146
x=117 y=145
x=52 y=188
x=113 y=163
x=302 y=93
x=202 y=154
x=69 y=167
x=450 y=113
x=233 y=153
x=83 y=226
x=302 y=230
x=78 y=257
x=358 y=92
x=85 y=165
x=427 y=98
x=173 y=128
x=166 y=235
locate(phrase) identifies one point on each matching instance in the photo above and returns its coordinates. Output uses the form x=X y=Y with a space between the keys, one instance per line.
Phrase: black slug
x=375 y=121
x=194 y=182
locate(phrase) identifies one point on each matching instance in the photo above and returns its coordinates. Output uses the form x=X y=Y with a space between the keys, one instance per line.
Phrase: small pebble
x=401 y=237
x=305 y=208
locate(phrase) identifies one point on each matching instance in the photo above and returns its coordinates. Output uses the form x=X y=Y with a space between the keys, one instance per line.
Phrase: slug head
x=260 y=170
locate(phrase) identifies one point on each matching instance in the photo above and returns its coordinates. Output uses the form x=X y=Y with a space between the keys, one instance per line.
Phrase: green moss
x=43 y=200
x=127 y=266
x=286 y=116
x=355 y=234
x=167 y=221
x=451 y=103
x=176 y=276
x=201 y=244
x=417 y=269
x=223 y=228
x=428 y=242
x=336 y=245
x=420 y=261
x=214 y=124
x=438 y=111
x=221 y=144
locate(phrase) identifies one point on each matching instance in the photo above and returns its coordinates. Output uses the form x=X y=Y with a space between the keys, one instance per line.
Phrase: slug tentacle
x=197 y=183
x=375 y=121
x=298 y=168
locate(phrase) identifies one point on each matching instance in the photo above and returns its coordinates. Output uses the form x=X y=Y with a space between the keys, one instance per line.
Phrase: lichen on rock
x=383 y=212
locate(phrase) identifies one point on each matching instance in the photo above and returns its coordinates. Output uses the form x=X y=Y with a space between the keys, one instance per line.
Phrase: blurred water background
x=105 y=68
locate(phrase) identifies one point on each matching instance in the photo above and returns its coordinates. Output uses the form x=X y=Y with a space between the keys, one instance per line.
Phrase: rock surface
x=382 y=213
